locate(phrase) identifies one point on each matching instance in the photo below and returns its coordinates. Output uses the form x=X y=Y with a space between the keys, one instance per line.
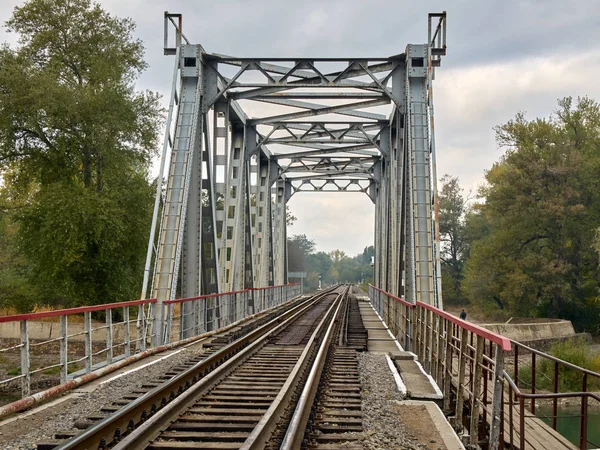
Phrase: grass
x=14 y=372
x=574 y=351
x=52 y=371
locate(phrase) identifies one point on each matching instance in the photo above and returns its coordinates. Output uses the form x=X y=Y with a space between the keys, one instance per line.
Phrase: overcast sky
x=503 y=57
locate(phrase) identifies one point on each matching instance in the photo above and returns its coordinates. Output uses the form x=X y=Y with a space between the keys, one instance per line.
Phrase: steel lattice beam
x=333 y=125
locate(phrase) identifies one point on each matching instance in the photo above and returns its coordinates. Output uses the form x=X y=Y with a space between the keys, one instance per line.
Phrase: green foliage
x=541 y=210
x=574 y=351
x=15 y=291
x=75 y=143
x=299 y=247
x=334 y=267
x=13 y=372
x=453 y=237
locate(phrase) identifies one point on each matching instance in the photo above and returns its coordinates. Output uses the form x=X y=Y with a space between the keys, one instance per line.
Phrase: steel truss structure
x=312 y=125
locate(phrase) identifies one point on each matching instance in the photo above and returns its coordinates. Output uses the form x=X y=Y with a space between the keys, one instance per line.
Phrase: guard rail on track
x=74 y=341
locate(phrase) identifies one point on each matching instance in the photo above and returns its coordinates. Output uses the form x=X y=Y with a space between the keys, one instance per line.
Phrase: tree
x=76 y=140
x=337 y=255
x=452 y=208
x=541 y=210
x=299 y=248
x=289 y=217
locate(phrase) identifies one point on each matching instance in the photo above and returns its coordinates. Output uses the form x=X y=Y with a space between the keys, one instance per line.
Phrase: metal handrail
x=558 y=360
x=120 y=339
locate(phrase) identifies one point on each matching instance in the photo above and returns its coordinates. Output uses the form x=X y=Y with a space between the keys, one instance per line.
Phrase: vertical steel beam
x=209 y=244
x=187 y=131
x=418 y=127
x=282 y=193
x=232 y=258
x=262 y=229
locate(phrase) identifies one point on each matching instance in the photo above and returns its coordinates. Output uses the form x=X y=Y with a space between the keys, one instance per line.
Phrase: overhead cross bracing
x=246 y=134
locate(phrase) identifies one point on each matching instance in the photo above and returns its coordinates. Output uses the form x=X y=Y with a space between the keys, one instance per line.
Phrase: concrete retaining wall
x=523 y=332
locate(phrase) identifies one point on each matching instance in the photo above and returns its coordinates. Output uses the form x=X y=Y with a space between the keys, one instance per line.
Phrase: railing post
x=497 y=400
x=423 y=334
x=555 y=400
x=194 y=318
x=584 y=415
x=440 y=351
x=448 y=365
x=25 y=372
x=429 y=340
x=153 y=325
x=109 y=337
x=250 y=302
x=141 y=328
x=461 y=379
x=516 y=367
x=126 y=333
x=473 y=427
x=87 y=323
x=511 y=426
x=168 y=326
x=521 y=422
x=533 y=374
x=64 y=349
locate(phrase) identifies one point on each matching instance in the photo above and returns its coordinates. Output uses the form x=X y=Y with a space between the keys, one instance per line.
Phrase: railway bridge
x=277 y=369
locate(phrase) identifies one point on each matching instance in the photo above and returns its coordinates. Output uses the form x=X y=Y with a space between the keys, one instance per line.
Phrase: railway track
x=290 y=383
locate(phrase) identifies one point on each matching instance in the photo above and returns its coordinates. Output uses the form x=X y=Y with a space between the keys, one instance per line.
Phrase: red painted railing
x=467 y=361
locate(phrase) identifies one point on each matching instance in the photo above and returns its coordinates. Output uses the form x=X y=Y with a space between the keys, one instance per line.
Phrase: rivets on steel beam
x=102 y=444
x=131 y=425
x=117 y=436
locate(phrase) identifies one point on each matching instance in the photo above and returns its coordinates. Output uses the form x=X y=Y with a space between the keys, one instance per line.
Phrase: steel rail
x=261 y=434
x=295 y=432
x=144 y=413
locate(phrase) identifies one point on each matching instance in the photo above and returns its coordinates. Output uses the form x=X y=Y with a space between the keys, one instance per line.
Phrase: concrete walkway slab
x=379 y=335
x=418 y=384
x=449 y=438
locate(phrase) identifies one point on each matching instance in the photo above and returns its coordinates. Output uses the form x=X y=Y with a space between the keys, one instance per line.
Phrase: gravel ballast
x=382 y=422
x=26 y=432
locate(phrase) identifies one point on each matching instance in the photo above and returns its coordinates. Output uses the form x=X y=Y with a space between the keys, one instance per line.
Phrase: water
x=569 y=427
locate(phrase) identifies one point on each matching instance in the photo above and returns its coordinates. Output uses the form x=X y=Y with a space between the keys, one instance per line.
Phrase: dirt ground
x=40 y=356
x=420 y=426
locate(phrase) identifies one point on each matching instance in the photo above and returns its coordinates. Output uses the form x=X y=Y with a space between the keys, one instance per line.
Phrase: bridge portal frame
x=219 y=221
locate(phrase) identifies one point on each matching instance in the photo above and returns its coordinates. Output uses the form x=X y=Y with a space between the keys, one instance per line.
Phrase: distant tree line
x=333 y=267
x=528 y=246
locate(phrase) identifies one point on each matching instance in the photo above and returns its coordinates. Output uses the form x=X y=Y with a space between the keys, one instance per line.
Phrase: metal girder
x=223 y=192
x=349 y=109
x=320 y=184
